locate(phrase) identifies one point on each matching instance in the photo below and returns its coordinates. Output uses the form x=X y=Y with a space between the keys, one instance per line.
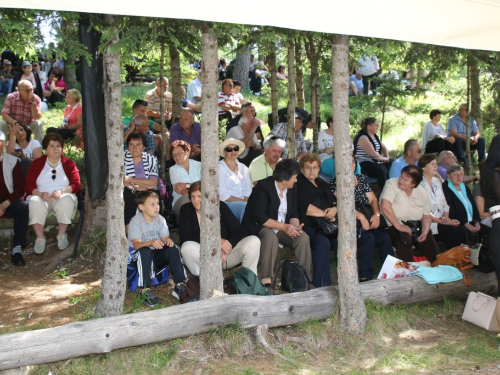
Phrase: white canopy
x=469 y=24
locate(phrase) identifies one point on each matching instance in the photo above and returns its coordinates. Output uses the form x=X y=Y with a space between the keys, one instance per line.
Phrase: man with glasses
x=263 y=166
x=23 y=107
x=229 y=104
x=456 y=128
x=6 y=78
x=140 y=124
x=152 y=97
x=447 y=159
x=412 y=153
x=189 y=131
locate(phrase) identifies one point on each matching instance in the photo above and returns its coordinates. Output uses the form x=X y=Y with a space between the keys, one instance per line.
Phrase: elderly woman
x=234 y=179
x=405 y=203
x=371 y=153
x=55 y=88
x=434 y=137
x=183 y=173
x=315 y=199
x=72 y=121
x=272 y=214
x=442 y=227
x=477 y=193
x=369 y=234
x=52 y=183
x=141 y=173
x=463 y=207
x=236 y=246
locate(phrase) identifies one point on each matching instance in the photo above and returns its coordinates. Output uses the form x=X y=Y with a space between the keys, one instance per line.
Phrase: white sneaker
x=62 y=241
x=39 y=245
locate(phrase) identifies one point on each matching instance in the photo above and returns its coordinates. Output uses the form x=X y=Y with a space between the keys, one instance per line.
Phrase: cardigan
x=310 y=194
x=69 y=168
x=189 y=227
x=457 y=209
x=148 y=161
x=263 y=204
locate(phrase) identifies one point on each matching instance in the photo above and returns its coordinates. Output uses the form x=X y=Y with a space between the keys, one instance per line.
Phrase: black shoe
x=150 y=299
x=17 y=259
x=178 y=290
x=365 y=279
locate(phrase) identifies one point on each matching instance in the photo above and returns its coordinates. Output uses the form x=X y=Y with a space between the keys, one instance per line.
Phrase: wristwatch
x=188 y=186
x=377 y=215
x=33 y=103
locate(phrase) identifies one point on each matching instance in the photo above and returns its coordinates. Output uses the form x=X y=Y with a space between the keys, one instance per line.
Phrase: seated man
x=356 y=84
x=11 y=191
x=140 y=123
x=152 y=97
x=272 y=215
x=447 y=159
x=236 y=91
x=456 y=128
x=281 y=131
x=187 y=104
x=189 y=131
x=55 y=88
x=245 y=132
x=152 y=250
x=412 y=153
x=263 y=166
x=6 y=78
x=139 y=108
x=24 y=107
x=246 y=109
x=228 y=102
x=194 y=90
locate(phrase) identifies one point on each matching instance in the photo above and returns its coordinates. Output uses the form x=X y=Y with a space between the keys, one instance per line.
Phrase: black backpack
x=293 y=277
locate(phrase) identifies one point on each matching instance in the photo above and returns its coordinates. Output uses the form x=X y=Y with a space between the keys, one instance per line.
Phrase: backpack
x=246 y=282
x=293 y=277
x=458 y=257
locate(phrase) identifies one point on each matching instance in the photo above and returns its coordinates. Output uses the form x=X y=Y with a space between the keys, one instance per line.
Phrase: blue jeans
x=237 y=208
x=6 y=87
x=320 y=249
x=480 y=146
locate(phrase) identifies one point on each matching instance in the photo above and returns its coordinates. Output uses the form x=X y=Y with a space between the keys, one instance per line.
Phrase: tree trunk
x=95 y=214
x=352 y=306
x=292 y=100
x=241 y=65
x=475 y=92
x=163 y=173
x=301 y=101
x=468 y=162
x=115 y=267
x=175 y=80
x=210 y=240
x=69 y=61
x=274 y=86
x=420 y=77
x=312 y=54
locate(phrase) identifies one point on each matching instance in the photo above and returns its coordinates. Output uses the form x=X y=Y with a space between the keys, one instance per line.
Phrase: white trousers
x=63 y=208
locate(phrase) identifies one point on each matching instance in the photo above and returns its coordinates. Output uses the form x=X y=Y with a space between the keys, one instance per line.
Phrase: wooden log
x=107 y=334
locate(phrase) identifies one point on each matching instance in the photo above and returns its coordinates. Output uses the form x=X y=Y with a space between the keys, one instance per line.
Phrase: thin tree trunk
x=468 y=162
x=301 y=101
x=163 y=170
x=312 y=54
x=292 y=103
x=210 y=240
x=69 y=61
x=241 y=66
x=115 y=268
x=95 y=214
x=420 y=77
x=383 y=117
x=475 y=92
x=352 y=306
x=175 y=80
x=274 y=86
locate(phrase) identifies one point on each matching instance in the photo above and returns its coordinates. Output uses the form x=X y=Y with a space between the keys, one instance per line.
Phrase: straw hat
x=231 y=141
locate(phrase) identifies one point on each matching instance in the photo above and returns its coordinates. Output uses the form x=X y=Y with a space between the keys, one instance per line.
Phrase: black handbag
x=416 y=231
x=326 y=227
x=367 y=211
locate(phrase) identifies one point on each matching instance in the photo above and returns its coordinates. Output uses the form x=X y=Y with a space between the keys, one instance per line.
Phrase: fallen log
x=106 y=334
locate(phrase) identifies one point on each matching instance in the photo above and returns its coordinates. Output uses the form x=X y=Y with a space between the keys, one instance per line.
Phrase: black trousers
x=376 y=170
x=495 y=247
x=18 y=210
x=168 y=256
x=428 y=248
x=437 y=145
x=456 y=235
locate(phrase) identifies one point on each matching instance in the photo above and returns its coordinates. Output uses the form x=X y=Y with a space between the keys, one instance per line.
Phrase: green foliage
x=61 y=273
x=20 y=29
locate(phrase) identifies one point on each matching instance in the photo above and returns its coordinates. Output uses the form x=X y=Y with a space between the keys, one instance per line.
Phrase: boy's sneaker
x=150 y=299
x=178 y=290
x=62 y=241
x=39 y=245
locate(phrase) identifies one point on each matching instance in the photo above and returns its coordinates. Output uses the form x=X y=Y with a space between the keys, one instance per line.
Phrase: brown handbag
x=458 y=257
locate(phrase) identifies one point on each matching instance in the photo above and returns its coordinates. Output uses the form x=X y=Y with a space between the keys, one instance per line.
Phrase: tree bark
x=352 y=306
x=475 y=92
x=301 y=101
x=312 y=54
x=95 y=214
x=163 y=173
x=292 y=100
x=175 y=80
x=468 y=162
x=274 y=86
x=241 y=65
x=69 y=61
x=115 y=267
x=210 y=244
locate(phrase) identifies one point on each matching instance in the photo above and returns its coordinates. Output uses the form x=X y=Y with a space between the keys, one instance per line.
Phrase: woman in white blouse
x=442 y=227
x=234 y=179
x=434 y=137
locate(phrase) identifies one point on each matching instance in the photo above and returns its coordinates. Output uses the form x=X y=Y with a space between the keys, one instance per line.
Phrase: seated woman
x=369 y=233
x=272 y=214
x=234 y=179
x=21 y=145
x=52 y=183
x=72 y=122
x=371 y=153
x=402 y=200
x=325 y=141
x=477 y=193
x=315 y=199
x=183 y=173
x=140 y=173
x=434 y=137
x=280 y=74
x=55 y=88
x=236 y=246
x=463 y=207
x=442 y=227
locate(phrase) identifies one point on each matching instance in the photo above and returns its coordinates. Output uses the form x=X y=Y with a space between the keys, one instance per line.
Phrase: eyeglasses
x=143 y=102
x=53 y=174
x=7 y=64
x=178 y=154
x=227 y=84
x=231 y=149
x=452 y=157
x=420 y=151
x=27 y=90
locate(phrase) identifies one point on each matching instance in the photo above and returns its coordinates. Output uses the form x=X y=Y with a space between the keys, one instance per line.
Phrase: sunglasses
x=231 y=149
x=53 y=174
x=143 y=102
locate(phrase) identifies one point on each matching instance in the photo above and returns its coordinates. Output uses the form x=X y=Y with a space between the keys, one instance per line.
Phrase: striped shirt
x=154 y=101
x=148 y=161
x=361 y=155
x=230 y=99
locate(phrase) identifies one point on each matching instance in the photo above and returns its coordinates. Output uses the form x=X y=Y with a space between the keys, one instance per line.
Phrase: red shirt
x=18 y=177
x=36 y=168
x=19 y=111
